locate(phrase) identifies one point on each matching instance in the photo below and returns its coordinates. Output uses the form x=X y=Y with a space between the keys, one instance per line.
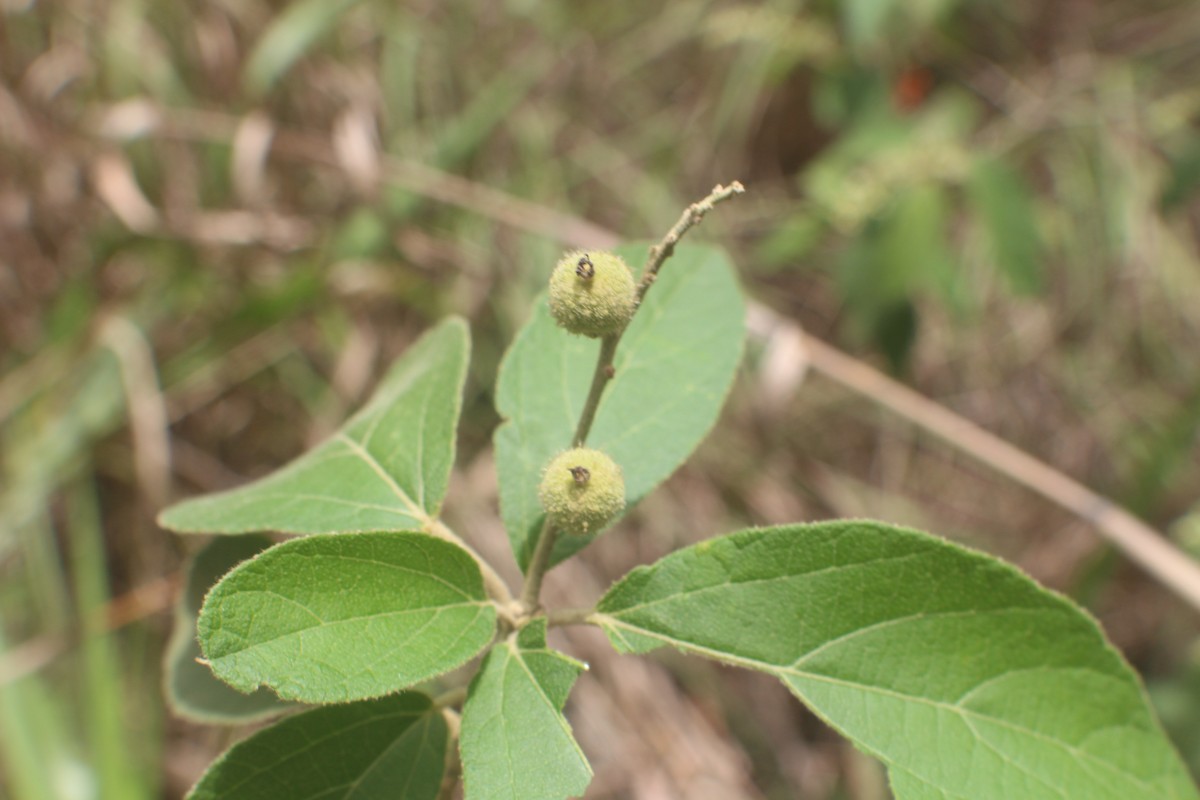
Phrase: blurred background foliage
x=220 y=220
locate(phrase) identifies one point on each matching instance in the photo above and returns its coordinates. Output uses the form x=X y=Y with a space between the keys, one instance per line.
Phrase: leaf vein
x=729 y=658
x=373 y=463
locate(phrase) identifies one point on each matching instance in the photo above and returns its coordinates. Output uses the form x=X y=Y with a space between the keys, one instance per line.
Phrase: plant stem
x=569 y=616
x=540 y=561
x=690 y=217
x=600 y=378
x=538 y=564
x=451 y=698
x=452 y=774
x=497 y=589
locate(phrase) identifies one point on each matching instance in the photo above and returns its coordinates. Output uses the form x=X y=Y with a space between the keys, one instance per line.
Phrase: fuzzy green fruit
x=592 y=294
x=581 y=490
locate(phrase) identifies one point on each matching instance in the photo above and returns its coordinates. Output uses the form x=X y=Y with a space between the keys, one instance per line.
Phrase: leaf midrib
x=324 y=625
x=560 y=718
x=415 y=511
x=823 y=570
x=515 y=656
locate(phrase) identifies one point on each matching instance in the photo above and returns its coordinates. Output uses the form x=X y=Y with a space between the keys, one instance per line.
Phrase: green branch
x=540 y=561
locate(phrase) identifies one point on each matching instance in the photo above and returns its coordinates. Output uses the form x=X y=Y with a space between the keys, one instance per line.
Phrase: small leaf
x=327 y=619
x=674 y=367
x=289 y=37
x=388 y=748
x=913 y=242
x=1183 y=177
x=515 y=741
x=386 y=469
x=865 y=21
x=1006 y=207
x=191 y=689
x=789 y=244
x=958 y=672
x=902 y=254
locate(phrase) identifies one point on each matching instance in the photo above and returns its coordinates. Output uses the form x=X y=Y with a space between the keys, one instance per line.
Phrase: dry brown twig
x=1148 y=549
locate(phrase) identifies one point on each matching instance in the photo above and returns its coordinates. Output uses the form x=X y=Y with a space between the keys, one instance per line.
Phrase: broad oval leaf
x=674 y=367
x=374 y=750
x=386 y=469
x=516 y=743
x=191 y=689
x=957 y=671
x=327 y=619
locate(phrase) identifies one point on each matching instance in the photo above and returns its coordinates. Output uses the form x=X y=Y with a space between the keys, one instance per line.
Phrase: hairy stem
x=452 y=774
x=451 y=698
x=569 y=616
x=689 y=219
x=540 y=562
x=600 y=378
x=496 y=588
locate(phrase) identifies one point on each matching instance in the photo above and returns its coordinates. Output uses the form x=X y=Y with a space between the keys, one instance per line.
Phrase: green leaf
x=515 y=741
x=327 y=619
x=388 y=748
x=386 y=469
x=903 y=254
x=191 y=689
x=674 y=367
x=289 y=37
x=1183 y=177
x=1004 y=202
x=865 y=20
x=913 y=241
x=790 y=244
x=872 y=25
x=957 y=671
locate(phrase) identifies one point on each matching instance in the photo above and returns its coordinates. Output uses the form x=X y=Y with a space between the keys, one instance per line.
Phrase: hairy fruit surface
x=582 y=490
x=592 y=294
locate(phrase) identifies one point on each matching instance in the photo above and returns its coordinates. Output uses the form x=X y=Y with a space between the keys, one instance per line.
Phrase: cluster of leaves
x=965 y=678
x=232 y=323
